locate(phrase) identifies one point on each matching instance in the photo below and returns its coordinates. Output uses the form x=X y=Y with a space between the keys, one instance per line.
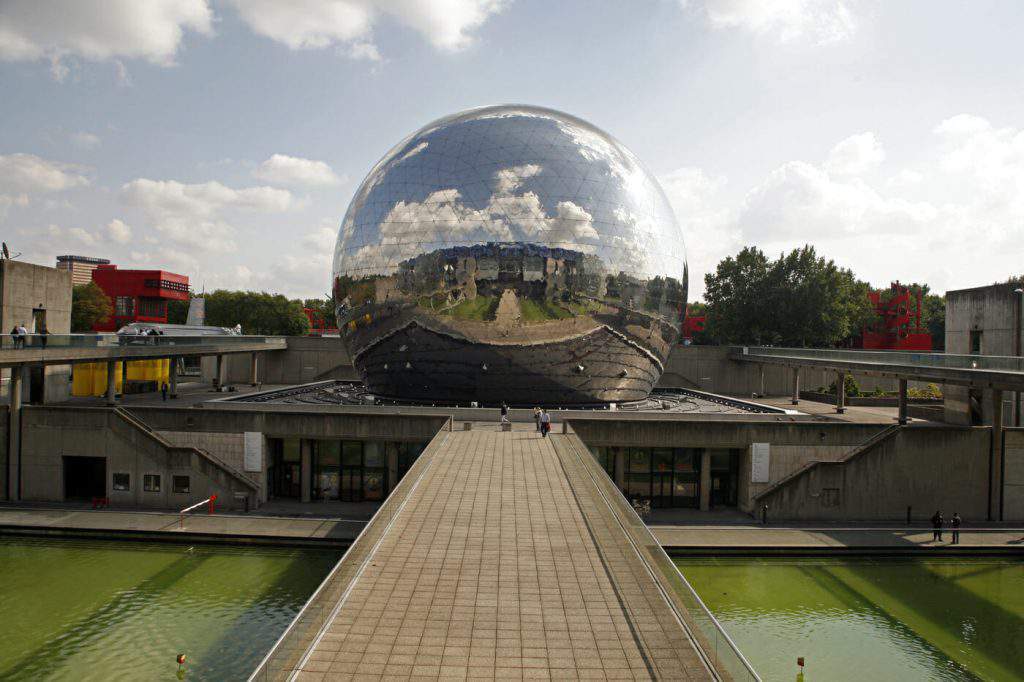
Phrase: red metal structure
x=138 y=295
x=691 y=325
x=898 y=322
x=317 y=325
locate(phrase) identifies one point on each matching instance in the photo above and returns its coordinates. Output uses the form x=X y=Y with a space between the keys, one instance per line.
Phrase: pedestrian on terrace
x=937 y=526
x=955 y=525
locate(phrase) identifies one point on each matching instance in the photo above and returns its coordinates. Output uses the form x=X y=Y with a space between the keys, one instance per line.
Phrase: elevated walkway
x=499 y=556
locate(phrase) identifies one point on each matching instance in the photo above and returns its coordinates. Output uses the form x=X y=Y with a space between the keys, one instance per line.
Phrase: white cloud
x=29 y=173
x=192 y=215
x=787 y=21
x=98 y=30
x=85 y=140
x=118 y=231
x=289 y=170
x=311 y=24
x=855 y=155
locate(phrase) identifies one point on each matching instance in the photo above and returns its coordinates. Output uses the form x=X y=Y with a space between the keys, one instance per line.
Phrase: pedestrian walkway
x=498 y=567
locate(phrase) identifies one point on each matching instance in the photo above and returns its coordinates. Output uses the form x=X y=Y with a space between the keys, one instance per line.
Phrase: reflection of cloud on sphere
x=505 y=228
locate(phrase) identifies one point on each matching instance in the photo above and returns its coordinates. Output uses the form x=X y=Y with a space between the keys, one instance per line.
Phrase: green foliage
x=177 y=312
x=799 y=300
x=89 y=307
x=260 y=314
x=480 y=308
x=541 y=311
x=852 y=388
x=323 y=307
x=932 y=391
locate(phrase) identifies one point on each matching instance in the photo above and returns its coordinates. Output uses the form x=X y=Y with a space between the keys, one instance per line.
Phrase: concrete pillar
x=14 y=435
x=305 y=468
x=840 y=392
x=172 y=379
x=392 y=467
x=902 y=416
x=995 y=511
x=111 y=383
x=254 y=370
x=218 y=373
x=796 y=386
x=620 y=468
x=705 y=479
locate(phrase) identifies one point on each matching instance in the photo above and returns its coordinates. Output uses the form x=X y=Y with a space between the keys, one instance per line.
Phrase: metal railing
x=724 y=656
x=1002 y=363
x=288 y=654
x=37 y=342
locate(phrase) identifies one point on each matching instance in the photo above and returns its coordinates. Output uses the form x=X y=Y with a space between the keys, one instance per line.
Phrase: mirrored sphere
x=510 y=253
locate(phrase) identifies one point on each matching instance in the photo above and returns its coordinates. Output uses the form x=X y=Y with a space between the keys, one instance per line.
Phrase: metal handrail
x=649 y=546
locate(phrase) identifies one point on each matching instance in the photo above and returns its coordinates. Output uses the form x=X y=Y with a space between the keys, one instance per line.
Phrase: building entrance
x=85 y=477
x=284 y=475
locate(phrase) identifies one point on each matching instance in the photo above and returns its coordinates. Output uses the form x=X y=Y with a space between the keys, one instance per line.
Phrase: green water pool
x=870 y=619
x=83 y=610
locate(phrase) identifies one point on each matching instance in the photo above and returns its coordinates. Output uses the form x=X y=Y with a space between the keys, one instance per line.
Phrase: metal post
x=902 y=418
x=254 y=370
x=172 y=377
x=796 y=386
x=1018 y=351
x=218 y=373
x=14 y=435
x=840 y=392
x=996 y=474
x=111 y=383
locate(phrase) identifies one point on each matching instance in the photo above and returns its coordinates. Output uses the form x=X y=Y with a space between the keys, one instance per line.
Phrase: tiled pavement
x=491 y=572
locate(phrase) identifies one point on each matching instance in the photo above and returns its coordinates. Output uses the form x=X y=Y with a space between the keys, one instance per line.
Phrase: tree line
x=800 y=299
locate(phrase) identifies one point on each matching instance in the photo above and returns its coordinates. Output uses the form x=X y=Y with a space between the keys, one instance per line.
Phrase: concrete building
x=39 y=298
x=80 y=267
x=984 y=321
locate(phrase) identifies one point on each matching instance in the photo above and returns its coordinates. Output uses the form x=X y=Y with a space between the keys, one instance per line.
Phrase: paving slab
x=493 y=569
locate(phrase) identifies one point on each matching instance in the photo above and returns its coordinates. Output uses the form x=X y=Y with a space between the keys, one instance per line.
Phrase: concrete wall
x=1013 y=493
x=991 y=310
x=25 y=287
x=308 y=358
x=49 y=434
x=793 y=444
x=925 y=467
x=226 y=447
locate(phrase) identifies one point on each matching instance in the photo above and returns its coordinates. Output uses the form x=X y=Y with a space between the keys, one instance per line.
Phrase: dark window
x=124 y=306
x=180 y=484
x=975 y=342
x=151 y=483
x=122 y=482
x=152 y=307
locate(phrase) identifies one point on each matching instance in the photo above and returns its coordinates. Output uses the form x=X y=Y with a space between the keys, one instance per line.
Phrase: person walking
x=955 y=525
x=536 y=418
x=504 y=413
x=22 y=334
x=937 y=526
x=163 y=391
x=545 y=423
x=14 y=337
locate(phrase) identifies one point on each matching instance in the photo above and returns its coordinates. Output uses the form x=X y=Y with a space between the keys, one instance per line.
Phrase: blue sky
x=224 y=139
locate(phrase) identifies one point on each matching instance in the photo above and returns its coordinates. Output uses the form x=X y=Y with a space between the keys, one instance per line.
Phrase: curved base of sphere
x=417 y=363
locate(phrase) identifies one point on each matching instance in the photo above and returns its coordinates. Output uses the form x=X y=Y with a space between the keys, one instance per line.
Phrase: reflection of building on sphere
x=493 y=254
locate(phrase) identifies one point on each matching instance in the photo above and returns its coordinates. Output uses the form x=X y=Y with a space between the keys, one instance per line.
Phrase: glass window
x=662 y=459
x=124 y=306
x=151 y=483
x=639 y=459
x=122 y=482
x=351 y=453
x=720 y=460
x=328 y=452
x=638 y=485
x=290 y=450
x=180 y=484
x=373 y=454
x=687 y=459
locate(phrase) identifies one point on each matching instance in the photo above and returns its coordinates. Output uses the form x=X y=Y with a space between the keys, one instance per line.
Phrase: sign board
x=760 y=457
x=253 y=450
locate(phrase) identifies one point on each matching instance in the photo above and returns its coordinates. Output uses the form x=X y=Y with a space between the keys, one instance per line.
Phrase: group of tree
x=259 y=313
x=89 y=307
x=799 y=299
